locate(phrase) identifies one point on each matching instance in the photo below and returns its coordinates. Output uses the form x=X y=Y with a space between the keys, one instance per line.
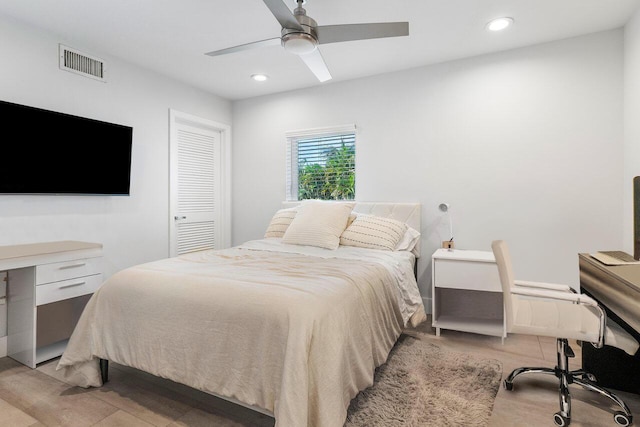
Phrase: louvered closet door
x=196 y=189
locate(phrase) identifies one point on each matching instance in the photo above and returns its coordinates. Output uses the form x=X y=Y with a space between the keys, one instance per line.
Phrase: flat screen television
x=57 y=153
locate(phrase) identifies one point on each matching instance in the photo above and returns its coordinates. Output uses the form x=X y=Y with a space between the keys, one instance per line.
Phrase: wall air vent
x=81 y=63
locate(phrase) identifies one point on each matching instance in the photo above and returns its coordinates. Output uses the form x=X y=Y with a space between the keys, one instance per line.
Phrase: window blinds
x=321 y=163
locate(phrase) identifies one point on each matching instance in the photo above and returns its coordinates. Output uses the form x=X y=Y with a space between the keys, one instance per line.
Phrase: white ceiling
x=172 y=36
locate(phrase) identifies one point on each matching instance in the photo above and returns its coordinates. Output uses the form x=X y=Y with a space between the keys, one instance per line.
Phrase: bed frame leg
x=104 y=370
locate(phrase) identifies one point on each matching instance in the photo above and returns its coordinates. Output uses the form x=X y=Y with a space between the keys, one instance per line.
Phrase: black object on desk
x=617 y=291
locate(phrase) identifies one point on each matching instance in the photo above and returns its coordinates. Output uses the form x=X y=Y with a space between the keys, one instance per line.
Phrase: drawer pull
x=64 y=267
x=72 y=285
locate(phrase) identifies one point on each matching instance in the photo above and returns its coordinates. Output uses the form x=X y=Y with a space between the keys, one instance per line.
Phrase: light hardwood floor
x=132 y=398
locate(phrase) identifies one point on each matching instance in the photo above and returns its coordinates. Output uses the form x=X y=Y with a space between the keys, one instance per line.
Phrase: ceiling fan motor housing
x=297 y=41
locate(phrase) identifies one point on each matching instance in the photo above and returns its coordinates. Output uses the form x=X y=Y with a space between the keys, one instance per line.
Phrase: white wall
x=526 y=146
x=135 y=228
x=631 y=123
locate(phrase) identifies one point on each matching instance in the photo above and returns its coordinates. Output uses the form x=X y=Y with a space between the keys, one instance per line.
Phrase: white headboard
x=408 y=213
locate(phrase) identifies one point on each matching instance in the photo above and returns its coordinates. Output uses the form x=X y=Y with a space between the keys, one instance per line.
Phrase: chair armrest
x=581 y=299
x=541 y=285
x=555 y=295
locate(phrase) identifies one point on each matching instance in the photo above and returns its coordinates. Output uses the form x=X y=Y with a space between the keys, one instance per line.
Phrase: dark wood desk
x=617 y=290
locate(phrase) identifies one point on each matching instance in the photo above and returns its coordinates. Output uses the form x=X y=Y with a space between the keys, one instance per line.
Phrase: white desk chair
x=546 y=309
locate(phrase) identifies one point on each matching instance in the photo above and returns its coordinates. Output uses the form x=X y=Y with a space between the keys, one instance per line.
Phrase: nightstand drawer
x=470 y=275
x=55 y=272
x=71 y=288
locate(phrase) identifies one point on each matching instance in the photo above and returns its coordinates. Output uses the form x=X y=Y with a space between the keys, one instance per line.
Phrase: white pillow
x=318 y=223
x=280 y=222
x=374 y=232
x=409 y=240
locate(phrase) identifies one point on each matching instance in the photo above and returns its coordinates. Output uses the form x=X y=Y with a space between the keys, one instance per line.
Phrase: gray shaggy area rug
x=424 y=385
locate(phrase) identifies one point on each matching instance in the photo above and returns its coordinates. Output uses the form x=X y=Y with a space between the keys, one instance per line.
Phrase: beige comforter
x=293 y=334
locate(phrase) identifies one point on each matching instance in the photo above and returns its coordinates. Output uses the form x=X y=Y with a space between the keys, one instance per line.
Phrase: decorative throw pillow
x=373 y=232
x=280 y=222
x=352 y=217
x=318 y=224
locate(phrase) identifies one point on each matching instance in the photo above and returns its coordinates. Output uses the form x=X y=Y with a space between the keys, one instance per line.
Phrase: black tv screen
x=59 y=153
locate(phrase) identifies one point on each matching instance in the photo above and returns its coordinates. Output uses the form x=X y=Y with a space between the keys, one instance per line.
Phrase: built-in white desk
x=48 y=285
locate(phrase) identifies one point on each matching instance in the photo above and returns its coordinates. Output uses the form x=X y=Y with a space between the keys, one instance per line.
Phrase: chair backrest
x=503 y=260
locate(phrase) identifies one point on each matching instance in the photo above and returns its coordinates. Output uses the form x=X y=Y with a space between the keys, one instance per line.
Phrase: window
x=321 y=164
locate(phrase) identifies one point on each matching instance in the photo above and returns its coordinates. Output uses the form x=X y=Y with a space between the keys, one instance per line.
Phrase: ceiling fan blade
x=350 y=32
x=317 y=65
x=247 y=46
x=283 y=14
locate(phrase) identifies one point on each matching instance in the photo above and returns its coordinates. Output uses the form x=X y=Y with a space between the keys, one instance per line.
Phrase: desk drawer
x=72 y=288
x=470 y=275
x=55 y=272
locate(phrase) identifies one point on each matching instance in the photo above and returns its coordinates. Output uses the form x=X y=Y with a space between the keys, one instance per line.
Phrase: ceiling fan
x=301 y=35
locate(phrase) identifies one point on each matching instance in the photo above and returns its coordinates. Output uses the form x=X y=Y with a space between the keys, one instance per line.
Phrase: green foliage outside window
x=331 y=178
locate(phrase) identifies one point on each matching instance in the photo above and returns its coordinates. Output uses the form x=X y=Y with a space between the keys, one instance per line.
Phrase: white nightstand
x=466 y=293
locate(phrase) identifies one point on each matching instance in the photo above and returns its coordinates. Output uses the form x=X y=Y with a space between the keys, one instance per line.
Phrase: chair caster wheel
x=622 y=419
x=507 y=385
x=561 y=420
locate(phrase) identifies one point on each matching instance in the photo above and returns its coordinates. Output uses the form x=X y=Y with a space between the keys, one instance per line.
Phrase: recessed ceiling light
x=259 y=77
x=499 y=24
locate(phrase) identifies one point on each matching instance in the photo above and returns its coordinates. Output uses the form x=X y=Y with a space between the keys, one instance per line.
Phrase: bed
x=291 y=329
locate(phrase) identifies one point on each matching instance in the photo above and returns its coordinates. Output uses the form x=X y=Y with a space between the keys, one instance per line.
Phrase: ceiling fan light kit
x=301 y=35
x=299 y=43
